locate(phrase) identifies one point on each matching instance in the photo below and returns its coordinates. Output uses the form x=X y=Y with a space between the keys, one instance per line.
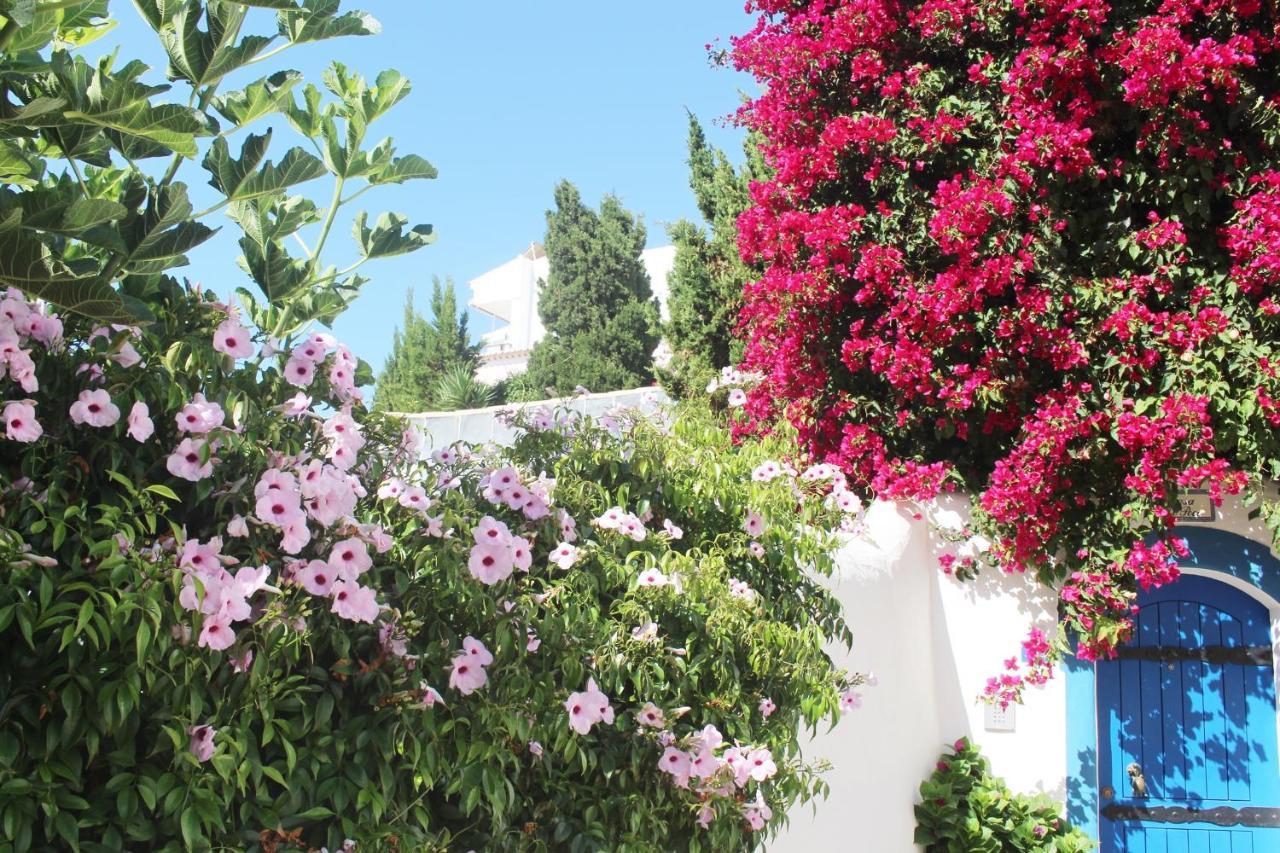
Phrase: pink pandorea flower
x=758 y=813
x=767 y=707
x=355 y=602
x=140 y=425
x=754 y=524
x=535 y=749
x=299 y=372
x=587 y=708
x=645 y=633
x=850 y=700
x=467 y=675
x=199 y=416
x=242 y=661
x=532 y=642
x=477 y=651
x=278 y=498
x=678 y=763
x=652 y=577
x=233 y=339
x=350 y=559
x=296 y=534
x=704 y=764
x=316 y=577
x=217 y=633
x=126 y=356
x=521 y=553
x=741 y=589
x=296 y=406
x=564 y=555
x=706 y=815
x=650 y=715
x=737 y=397
x=760 y=764
x=20 y=422
x=430 y=696
x=415 y=498
x=185 y=461
x=391 y=489
x=201 y=744
x=491 y=563
x=237 y=527
x=95 y=409
x=490 y=531
x=672 y=530
x=275 y=481
x=766 y=471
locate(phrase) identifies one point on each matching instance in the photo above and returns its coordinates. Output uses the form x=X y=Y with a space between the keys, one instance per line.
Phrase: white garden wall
x=932 y=643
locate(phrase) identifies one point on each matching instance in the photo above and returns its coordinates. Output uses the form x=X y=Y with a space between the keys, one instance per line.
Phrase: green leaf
x=388 y=237
x=159 y=239
x=28 y=264
x=163 y=491
x=260 y=98
x=245 y=179
x=202 y=57
x=318 y=19
x=401 y=169
x=119 y=102
x=190 y=822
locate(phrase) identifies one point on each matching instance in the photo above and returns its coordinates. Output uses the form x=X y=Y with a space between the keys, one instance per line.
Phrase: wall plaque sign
x=1195 y=506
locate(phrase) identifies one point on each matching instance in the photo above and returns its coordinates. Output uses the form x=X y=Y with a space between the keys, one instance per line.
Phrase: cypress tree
x=706 y=282
x=423 y=351
x=597 y=303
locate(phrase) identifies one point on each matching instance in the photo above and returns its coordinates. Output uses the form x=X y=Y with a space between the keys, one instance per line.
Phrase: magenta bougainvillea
x=1028 y=249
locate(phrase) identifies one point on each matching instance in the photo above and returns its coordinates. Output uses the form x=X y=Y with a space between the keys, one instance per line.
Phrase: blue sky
x=509 y=97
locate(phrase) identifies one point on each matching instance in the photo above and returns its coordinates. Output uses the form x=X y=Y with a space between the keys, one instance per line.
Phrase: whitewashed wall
x=482 y=426
x=932 y=643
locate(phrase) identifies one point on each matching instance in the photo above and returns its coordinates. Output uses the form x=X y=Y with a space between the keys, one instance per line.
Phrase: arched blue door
x=1187 y=757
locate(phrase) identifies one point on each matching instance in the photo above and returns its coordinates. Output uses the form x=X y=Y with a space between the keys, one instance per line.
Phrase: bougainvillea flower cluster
x=1028 y=251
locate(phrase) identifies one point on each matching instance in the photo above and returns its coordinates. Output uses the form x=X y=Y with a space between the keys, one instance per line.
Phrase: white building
x=508 y=294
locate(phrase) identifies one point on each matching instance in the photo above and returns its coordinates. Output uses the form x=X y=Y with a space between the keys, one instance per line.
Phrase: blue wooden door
x=1187 y=759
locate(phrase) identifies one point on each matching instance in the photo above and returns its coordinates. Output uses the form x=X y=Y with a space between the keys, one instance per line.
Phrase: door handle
x=1137 y=780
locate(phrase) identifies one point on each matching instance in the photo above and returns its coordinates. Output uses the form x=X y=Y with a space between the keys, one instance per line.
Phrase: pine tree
x=423 y=351
x=706 y=283
x=597 y=303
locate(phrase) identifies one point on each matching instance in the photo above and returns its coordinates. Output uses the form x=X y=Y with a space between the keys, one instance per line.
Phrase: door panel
x=1195 y=721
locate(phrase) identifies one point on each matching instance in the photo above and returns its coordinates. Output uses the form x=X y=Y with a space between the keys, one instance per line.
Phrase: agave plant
x=457 y=388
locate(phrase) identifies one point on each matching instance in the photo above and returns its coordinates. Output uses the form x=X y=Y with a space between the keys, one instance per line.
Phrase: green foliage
x=966 y=810
x=457 y=388
x=324 y=737
x=321 y=731
x=87 y=224
x=706 y=282
x=596 y=304
x=424 y=351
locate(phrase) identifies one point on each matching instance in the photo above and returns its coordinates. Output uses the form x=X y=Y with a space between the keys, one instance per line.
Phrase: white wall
x=481 y=426
x=932 y=642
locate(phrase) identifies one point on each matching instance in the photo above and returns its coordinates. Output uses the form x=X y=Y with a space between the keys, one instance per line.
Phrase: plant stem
x=329 y=216
x=7 y=33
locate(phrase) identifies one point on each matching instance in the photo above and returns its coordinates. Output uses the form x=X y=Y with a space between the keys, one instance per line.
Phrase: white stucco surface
x=933 y=642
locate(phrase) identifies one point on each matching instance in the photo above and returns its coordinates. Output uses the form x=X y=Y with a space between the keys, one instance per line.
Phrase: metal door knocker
x=1137 y=780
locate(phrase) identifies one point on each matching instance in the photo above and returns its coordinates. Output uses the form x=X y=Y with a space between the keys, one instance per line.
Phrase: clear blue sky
x=509 y=97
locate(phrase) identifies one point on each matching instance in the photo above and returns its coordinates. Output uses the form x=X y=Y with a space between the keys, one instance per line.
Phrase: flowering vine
x=1025 y=251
